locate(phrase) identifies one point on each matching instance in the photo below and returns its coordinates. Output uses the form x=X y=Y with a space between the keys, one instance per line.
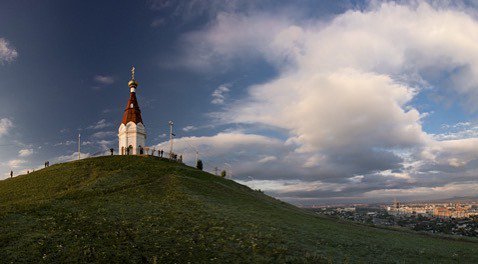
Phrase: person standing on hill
x=11 y=174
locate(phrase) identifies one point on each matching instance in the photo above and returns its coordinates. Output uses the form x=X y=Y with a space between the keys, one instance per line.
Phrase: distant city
x=451 y=217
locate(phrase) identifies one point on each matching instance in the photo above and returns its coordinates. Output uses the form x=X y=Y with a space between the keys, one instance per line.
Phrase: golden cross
x=132 y=73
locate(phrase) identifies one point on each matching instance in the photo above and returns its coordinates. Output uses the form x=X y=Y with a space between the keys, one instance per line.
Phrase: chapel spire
x=132 y=113
x=132 y=133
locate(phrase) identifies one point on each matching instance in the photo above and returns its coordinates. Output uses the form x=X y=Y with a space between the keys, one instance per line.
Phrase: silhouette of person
x=111 y=151
x=11 y=174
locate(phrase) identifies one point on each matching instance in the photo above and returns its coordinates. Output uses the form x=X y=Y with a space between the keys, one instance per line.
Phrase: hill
x=130 y=209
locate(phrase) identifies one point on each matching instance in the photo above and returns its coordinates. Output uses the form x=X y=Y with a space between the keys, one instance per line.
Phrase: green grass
x=129 y=209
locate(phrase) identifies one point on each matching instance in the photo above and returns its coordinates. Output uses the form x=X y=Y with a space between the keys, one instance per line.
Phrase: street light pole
x=79 y=146
x=171 y=136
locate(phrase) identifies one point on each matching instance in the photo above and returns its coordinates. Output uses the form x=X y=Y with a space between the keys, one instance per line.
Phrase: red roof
x=132 y=112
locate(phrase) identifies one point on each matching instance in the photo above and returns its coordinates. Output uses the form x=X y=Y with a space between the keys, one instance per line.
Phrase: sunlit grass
x=133 y=209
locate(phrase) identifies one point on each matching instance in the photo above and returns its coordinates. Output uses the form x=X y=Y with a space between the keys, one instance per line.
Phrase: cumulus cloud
x=25 y=152
x=219 y=95
x=221 y=143
x=367 y=41
x=104 y=79
x=7 y=52
x=343 y=95
x=226 y=147
x=5 y=125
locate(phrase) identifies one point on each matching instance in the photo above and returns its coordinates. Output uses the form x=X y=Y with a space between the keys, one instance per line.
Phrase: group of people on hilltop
x=47 y=164
x=160 y=154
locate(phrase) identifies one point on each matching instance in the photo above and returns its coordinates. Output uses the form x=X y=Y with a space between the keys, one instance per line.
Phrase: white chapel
x=132 y=133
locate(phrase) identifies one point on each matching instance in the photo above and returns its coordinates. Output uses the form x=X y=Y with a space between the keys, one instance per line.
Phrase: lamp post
x=171 y=136
x=79 y=146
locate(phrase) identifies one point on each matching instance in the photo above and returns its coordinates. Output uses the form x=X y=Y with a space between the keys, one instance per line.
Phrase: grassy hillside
x=142 y=209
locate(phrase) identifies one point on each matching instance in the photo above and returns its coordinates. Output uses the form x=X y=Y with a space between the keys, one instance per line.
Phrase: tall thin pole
x=79 y=146
x=171 y=136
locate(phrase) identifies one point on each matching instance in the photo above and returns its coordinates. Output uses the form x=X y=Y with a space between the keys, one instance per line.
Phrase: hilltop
x=130 y=209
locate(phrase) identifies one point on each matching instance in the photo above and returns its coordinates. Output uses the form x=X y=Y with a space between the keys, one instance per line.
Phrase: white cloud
x=221 y=143
x=345 y=88
x=288 y=186
x=452 y=152
x=106 y=144
x=7 y=52
x=240 y=150
x=25 y=152
x=73 y=156
x=104 y=79
x=217 y=46
x=103 y=134
x=334 y=111
x=220 y=94
x=460 y=130
x=5 y=125
x=448 y=190
x=267 y=159
x=189 y=128
x=100 y=124
x=15 y=163
x=66 y=143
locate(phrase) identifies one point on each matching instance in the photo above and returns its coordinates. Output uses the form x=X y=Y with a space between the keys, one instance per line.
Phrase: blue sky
x=316 y=102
